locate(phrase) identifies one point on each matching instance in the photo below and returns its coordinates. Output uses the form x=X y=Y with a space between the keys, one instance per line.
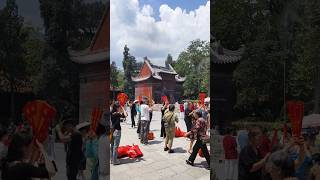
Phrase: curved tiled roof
x=156 y=70
x=226 y=56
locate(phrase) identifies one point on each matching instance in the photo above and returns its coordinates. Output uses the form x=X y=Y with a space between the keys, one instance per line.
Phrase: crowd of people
x=196 y=117
x=257 y=155
x=87 y=152
x=23 y=157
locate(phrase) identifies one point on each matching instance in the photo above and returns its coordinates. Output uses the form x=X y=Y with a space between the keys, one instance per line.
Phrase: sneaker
x=189 y=162
x=166 y=149
x=111 y=162
x=116 y=162
x=171 y=151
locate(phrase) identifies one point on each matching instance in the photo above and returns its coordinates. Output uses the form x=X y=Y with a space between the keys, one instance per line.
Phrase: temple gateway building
x=94 y=71
x=156 y=81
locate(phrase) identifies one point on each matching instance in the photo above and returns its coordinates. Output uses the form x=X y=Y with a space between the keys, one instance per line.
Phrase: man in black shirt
x=250 y=162
x=73 y=138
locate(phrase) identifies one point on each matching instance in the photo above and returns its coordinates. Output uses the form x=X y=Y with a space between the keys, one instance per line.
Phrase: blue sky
x=184 y=4
x=155 y=28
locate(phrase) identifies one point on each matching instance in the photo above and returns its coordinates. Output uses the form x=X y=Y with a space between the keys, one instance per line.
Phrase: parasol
x=122 y=98
x=39 y=114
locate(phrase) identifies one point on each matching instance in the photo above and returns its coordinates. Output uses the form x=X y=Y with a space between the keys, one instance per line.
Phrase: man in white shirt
x=145 y=118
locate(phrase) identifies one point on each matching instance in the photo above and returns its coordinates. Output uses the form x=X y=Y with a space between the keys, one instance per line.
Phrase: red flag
x=164 y=99
x=295 y=114
x=139 y=99
x=122 y=98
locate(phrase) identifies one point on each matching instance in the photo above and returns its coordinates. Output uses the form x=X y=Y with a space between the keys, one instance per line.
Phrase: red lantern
x=295 y=114
x=122 y=98
x=39 y=114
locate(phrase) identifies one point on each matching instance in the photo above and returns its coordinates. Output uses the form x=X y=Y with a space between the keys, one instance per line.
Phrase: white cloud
x=146 y=36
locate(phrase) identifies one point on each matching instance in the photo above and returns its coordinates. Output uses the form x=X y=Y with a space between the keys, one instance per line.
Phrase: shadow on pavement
x=179 y=150
x=154 y=142
x=128 y=160
x=203 y=164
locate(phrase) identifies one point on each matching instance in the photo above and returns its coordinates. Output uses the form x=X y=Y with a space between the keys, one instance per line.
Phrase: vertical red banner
x=202 y=96
x=295 y=114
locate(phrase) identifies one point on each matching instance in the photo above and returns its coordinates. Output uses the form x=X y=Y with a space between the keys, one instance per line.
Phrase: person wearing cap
x=73 y=138
x=145 y=119
x=117 y=113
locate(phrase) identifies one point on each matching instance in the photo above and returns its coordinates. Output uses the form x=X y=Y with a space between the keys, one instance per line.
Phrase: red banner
x=140 y=99
x=295 y=114
x=39 y=114
x=122 y=98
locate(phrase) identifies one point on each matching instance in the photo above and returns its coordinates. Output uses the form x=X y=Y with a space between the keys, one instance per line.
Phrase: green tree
x=12 y=38
x=232 y=22
x=258 y=79
x=129 y=64
x=193 y=63
x=121 y=80
x=114 y=73
x=263 y=26
x=68 y=24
